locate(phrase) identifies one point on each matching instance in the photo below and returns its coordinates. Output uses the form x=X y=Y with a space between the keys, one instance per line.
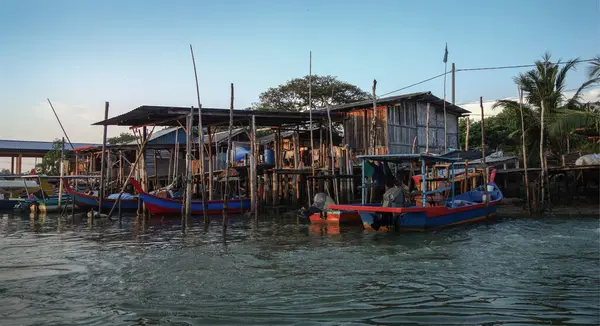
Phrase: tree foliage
x=123 y=138
x=546 y=82
x=50 y=164
x=293 y=95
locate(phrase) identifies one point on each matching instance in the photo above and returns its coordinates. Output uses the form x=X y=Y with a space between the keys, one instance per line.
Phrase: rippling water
x=61 y=271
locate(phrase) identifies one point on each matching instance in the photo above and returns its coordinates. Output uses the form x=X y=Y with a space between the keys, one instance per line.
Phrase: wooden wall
x=357 y=130
x=397 y=126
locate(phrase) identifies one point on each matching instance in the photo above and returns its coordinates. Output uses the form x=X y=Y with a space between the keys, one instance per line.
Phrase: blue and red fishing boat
x=88 y=202
x=434 y=206
x=165 y=206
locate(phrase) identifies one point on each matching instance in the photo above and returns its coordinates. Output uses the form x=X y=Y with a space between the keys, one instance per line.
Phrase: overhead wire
x=474 y=69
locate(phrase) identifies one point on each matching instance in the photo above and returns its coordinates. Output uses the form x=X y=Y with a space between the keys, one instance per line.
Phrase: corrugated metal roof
x=34 y=146
x=220 y=136
x=423 y=96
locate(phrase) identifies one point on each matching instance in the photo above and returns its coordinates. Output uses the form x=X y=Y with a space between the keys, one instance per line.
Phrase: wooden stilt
x=254 y=162
x=188 y=167
x=524 y=152
x=485 y=169
x=62 y=173
x=210 y=162
x=227 y=163
x=102 y=164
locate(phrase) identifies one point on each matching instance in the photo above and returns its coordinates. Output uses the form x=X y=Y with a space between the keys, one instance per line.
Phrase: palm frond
x=566 y=120
x=594 y=68
x=575 y=100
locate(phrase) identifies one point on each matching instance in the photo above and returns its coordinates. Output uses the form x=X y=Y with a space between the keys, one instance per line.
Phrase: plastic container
x=269 y=157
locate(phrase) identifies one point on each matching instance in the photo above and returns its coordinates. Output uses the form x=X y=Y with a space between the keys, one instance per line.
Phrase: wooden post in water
x=143 y=168
x=102 y=162
x=62 y=172
x=227 y=160
x=188 y=166
x=485 y=169
x=524 y=150
x=467 y=135
x=253 y=172
x=201 y=139
x=210 y=162
x=336 y=190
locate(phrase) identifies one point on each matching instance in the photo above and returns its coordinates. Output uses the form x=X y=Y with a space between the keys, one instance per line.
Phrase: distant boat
x=10 y=191
x=164 y=206
x=88 y=202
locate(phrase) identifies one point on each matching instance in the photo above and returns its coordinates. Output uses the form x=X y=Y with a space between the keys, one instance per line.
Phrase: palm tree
x=544 y=87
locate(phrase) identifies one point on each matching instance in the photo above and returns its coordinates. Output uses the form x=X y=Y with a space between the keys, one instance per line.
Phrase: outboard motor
x=321 y=203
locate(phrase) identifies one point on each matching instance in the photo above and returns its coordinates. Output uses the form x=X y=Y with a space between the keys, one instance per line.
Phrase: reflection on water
x=61 y=270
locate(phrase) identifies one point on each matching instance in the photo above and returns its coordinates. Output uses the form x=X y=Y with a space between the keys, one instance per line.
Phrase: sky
x=132 y=53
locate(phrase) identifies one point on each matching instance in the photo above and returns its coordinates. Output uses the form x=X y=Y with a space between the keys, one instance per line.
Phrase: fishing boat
x=88 y=202
x=41 y=196
x=12 y=192
x=157 y=205
x=431 y=208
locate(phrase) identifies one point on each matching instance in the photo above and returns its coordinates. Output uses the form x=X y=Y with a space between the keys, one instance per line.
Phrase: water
x=57 y=271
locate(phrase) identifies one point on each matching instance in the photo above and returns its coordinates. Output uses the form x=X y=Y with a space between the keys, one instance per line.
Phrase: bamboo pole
x=227 y=163
x=176 y=157
x=374 y=120
x=427 y=130
x=253 y=172
x=62 y=172
x=102 y=162
x=188 y=166
x=524 y=152
x=467 y=136
x=121 y=181
x=485 y=169
x=210 y=162
x=143 y=170
x=445 y=132
x=332 y=152
x=201 y=137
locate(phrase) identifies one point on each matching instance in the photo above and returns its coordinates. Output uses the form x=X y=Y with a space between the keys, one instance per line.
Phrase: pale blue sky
x=131 y=53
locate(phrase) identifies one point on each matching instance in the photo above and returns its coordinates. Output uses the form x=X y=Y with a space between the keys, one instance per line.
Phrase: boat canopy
x=397 y=158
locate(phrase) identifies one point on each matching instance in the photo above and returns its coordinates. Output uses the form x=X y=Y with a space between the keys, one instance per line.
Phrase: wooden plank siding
x=397 y=125
x=357 y=130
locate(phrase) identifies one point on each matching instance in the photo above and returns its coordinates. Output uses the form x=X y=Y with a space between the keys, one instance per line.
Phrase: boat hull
x=10 y=204
x=88 y=202
x=336 y=217
x=420 y=221
x=465 y=208
x=164 y=206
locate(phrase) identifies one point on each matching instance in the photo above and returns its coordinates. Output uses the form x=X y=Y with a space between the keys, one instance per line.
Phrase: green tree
x=293 y=95
x=123 y=138
x=545 y=84
x=50 y=164
x=501 y=133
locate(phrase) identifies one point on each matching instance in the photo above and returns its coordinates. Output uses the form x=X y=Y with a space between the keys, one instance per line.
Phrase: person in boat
x=320 y=204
